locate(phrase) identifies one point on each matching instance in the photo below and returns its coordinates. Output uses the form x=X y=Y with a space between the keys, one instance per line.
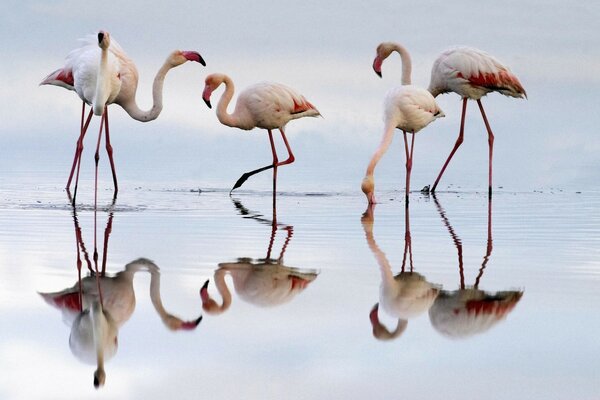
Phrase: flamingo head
x=179 y=57
x=176 y=324
x=99 y=378
x=208 y=304
x=368 y=188
x=103 y=40
x=210 y=84
x=383 y=51
x=380 y=332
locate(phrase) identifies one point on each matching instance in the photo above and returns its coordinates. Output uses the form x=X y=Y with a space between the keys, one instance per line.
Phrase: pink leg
x=78 y=151
x=407 y=242
x=408 y=162
x=491 y=143
x=96 y=159
x=109 y=150
x=275 y=163
x=291 y=157
x=489 y=247
x=456 y=145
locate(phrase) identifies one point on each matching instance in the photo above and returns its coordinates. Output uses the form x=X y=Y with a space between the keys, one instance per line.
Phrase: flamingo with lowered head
x=472 y=73
x=102 y=74
x=265 y=105
x=408 y=108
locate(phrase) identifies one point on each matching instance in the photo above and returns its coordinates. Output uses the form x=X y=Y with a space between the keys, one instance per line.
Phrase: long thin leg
x=455 y=239
x=407 y=242
x=409 y=155
x=489 y=247
x=77 y=158
x=456 y=145
x=491 y=143
x=275 y=161
x=275 y=164
x=96 y=159
x=109 y=150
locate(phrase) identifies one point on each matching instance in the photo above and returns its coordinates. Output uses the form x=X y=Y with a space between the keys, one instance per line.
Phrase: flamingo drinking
x=407 y=107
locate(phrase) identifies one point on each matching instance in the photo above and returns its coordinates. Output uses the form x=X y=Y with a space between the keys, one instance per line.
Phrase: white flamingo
x=472 y=73
x=403 y=296
x=102 y=74
x=408 y=108
x=265 y=105
x=97 y=306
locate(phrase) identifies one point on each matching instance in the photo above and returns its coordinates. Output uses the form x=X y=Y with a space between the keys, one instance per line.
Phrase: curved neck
x=157 y=98
x=406 y=63
x=222 y=115
x=384 y=264
x=388 y=135
x=223 y=291
x=102 y=84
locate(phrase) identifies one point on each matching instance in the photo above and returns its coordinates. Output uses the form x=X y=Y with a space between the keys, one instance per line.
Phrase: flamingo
x=103 y=76
x=96 y=308
x=264 y=282
x=265 y=105
x=472 y=73
x=407 y=107
x=403 y=296
x=469 y=310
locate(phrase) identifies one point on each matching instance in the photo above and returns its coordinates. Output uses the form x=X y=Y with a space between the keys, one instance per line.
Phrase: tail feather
x=61 y=77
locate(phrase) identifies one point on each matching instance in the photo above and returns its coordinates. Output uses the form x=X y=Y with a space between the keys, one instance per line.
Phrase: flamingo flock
x=101 y=73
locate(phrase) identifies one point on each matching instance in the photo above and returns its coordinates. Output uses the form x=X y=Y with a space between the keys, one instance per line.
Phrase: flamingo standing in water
x=407 y=107
x=472 y=73
x=102 y=74
x=265 y=105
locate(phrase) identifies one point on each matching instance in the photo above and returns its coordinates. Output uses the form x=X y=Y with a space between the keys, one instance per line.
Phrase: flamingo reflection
x=404 y=296
x=264 y=282
x=469 y=310
x=97 y=305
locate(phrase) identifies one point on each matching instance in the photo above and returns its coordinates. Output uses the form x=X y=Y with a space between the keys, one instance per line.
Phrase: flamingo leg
x=407 y=242
x=489 y=247
x=109 y=150
x=78 y=152
x=491 y=144
x=275 y=164
x=409 y=155
x=455 y=239
x=275 y=161
x=456 y=145
x=97 y=159
x=291 y=157
x=107 y=232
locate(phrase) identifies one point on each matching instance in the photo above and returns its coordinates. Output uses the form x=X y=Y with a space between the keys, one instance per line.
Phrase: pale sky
x=325 y=51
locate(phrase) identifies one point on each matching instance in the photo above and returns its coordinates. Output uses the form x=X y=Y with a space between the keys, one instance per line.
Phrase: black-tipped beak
x=100 y=37
x=209 y=106
x=205 y=285
x=194 y=56
x=379 y=73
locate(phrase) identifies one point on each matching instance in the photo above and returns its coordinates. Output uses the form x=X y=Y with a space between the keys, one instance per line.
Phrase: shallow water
x=504 y=304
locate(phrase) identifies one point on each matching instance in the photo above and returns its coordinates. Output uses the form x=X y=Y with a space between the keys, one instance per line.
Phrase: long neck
x=222 y=115
x=388 y=135
x=384 y=264
x=102 y=84
x=98 y=332
x=157 y=98
x=223 y=291
x=406 y=63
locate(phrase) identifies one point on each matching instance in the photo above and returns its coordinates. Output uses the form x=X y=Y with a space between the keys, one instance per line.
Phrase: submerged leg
x=491 y=145
x=97 y=159
x=456 y=145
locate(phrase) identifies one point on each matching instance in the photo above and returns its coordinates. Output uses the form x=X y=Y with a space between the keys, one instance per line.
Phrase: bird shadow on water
x=263 y=282
x=455 y=314
x=99 y=304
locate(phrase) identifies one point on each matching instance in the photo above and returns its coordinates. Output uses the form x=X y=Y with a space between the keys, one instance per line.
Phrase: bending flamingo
x=472 y=74
x=103 y=76
x=265 y=105
x=407 y=107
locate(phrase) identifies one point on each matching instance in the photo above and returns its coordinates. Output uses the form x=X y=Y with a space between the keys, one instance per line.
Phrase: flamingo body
x=265 y=105
x=407 y=107
x=472 y=73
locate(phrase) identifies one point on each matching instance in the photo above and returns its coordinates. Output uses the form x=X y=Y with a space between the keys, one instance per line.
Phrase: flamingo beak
x=194 y=56
x=377 y=65
x=190 y=325
x=206 y=97
x=100 y=36
x=204 y=292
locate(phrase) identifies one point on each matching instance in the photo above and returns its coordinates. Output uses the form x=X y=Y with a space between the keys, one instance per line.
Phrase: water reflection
x=264 y=282
x=96 y=306
x=469 y=310
x=403 y=296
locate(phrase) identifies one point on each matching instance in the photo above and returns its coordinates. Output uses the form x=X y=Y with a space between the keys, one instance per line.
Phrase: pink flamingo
x=472 y=74
x=103 y=76
x=408 y=108
x=265 y=105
